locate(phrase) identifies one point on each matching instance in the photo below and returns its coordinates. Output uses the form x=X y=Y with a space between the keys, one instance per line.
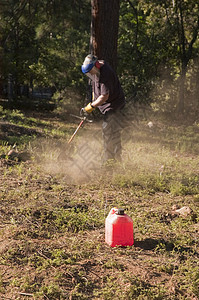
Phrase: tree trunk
x=182 y=90
x=104 y=30
x=186 y=55
x=183 y=61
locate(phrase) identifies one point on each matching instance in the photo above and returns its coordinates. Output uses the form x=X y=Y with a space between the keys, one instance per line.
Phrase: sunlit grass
x=52 y=224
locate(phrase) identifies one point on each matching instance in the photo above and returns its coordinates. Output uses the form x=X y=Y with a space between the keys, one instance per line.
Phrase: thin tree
x=185 y=47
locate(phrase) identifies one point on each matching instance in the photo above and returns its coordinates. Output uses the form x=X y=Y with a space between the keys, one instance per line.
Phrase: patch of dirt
x=8 y=129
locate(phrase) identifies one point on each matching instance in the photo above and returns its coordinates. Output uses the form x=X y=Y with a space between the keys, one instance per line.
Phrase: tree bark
x=104 y=30
x=186 y=54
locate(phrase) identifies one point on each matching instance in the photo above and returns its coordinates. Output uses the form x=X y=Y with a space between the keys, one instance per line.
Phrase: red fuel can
x=118 y=228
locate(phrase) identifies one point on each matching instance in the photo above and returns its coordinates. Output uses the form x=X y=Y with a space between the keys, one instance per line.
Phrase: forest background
x=43 y=44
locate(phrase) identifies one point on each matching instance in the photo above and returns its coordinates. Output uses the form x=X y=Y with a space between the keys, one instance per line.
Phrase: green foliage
x=156 y=40
x=76 y=220
x=44 y=44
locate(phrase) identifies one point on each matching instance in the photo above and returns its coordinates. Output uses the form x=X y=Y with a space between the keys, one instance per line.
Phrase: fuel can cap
x=120 y=211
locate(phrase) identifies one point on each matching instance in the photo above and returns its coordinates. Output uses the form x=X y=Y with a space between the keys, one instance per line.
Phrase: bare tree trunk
x=104 y=29
x=196 y=96
x=184 y=62
x=186 y=55
x=181 y=100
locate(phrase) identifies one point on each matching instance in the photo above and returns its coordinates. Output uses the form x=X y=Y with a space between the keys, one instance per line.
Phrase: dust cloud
x=76 y=162
x=81 y=161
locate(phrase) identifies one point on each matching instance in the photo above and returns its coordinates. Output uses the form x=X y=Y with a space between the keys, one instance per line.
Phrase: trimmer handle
x=79 y=126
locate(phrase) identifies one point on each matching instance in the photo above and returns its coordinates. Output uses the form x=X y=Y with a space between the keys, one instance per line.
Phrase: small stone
x=184 y=211
x=150 y=124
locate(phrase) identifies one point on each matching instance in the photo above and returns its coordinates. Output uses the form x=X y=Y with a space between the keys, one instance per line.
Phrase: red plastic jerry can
x=118 y=228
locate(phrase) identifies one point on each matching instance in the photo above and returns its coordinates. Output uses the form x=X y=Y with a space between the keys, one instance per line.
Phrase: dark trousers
x=111 y=132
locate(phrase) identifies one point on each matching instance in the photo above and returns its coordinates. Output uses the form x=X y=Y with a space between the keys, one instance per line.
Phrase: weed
x=140 y=289
x=111 y=264
x=110 y=290
x=50 y=291
x=189 y=281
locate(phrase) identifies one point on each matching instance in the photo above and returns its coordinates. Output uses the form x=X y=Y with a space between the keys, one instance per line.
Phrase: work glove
x=87 y=109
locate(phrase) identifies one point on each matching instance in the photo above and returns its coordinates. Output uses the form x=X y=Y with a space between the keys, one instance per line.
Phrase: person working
x=109 y=98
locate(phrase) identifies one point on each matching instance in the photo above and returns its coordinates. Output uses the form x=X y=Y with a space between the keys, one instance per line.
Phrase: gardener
x=108 y=96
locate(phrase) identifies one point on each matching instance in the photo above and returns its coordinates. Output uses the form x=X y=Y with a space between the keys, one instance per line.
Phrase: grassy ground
x=52 y=211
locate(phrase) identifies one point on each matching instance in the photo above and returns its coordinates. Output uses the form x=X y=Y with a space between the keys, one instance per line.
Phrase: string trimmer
x=63 y=155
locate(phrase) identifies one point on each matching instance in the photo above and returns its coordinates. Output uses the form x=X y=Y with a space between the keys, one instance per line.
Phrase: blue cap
x=89 y=63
